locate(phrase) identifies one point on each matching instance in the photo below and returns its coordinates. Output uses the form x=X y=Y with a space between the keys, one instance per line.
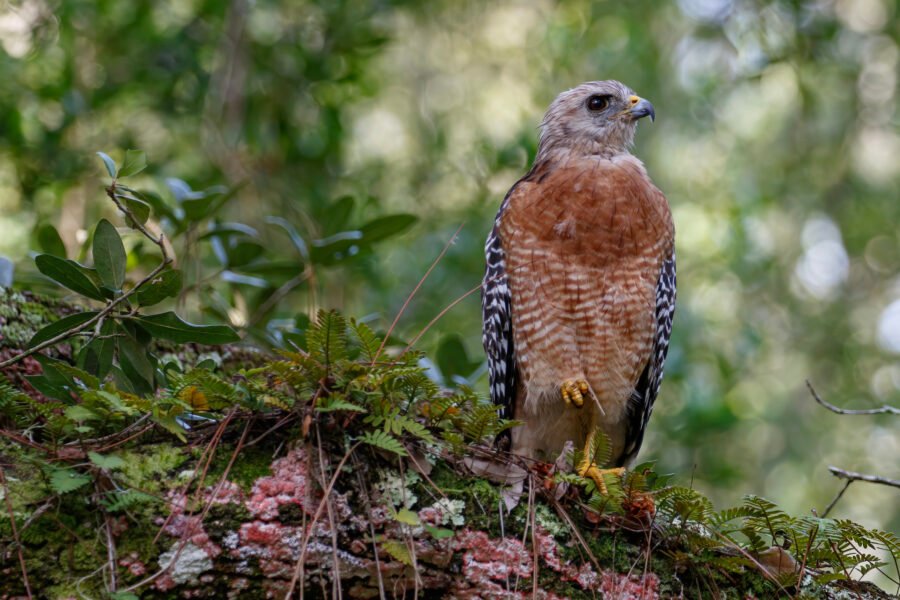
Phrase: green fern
x=122 y=500
x=383 y=441
x=366 y=339
x=335 y=403
x=481 y=422
x=327 y=338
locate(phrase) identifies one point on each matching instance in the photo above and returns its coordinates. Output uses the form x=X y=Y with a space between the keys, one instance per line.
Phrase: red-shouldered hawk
x=579 y=291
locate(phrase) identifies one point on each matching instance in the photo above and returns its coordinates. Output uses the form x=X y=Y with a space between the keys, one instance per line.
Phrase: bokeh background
x=776 y=144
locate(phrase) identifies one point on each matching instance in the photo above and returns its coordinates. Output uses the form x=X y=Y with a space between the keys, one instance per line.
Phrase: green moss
x=21 y=317
x=251 y=464
x=25 y=482
x=151 y=468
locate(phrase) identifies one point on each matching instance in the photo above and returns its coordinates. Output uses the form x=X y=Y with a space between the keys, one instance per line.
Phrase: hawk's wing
x=497 y=324
x=644 y=395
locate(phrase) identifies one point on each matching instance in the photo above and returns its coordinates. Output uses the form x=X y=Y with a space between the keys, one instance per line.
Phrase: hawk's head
x=597 y=117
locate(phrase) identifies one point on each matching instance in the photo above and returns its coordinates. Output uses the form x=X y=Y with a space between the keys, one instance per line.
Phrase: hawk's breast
x=584 y=245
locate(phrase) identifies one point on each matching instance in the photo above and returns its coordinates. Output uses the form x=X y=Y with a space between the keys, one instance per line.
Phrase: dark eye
x=597 y=102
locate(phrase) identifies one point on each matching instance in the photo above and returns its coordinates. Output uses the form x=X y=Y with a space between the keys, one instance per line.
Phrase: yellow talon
x=589 y=469
x=574 y=391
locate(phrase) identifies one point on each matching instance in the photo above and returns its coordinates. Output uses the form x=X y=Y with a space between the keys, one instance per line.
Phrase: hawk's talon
x=590 y=469
x=573 y=392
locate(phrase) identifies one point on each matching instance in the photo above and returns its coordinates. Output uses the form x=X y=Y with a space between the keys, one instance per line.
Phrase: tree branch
x=883 y=410
x=854 y=476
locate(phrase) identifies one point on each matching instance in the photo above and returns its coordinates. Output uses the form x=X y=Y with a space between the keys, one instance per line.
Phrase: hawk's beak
x=641 y=108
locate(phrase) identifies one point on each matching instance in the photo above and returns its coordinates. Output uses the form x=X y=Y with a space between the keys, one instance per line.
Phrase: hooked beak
x=641 y=108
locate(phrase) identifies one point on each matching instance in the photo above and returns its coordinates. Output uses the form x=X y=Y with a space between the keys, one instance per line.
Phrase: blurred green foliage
x=776 y=144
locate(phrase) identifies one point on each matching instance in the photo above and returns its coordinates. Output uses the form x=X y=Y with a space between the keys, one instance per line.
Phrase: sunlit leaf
x=135 y=162
x=49 y=241
x=109 y=163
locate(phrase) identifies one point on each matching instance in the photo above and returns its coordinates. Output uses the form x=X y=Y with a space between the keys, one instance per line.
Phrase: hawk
x=579 y=291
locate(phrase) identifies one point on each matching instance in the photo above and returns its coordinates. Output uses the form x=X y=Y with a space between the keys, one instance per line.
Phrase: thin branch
x=439 y=315
x=413 y=293
x=882 y=410
x=854 y=476
x=840 y=494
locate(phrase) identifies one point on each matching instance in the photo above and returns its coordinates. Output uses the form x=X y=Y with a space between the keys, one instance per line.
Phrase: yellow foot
x=589 y=469
x=574 y=391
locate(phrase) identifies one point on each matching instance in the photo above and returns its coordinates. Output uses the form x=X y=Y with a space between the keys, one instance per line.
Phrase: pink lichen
x=485 y=558
x=288 y=484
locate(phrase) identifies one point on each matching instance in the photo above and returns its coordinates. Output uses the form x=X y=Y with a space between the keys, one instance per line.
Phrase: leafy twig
x=113 y=304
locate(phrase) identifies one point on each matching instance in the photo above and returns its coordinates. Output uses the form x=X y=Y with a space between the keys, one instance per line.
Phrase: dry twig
x=852 y=476
x=882 y=410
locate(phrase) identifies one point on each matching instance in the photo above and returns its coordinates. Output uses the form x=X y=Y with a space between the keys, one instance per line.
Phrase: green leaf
x=49 y=240
x=108 y=163
x=292 y=232
x=337 y=216
x=109 y=255
x=80 y=413
x=68 y=273
x=109 y=462
x=123 y=595
x=165 y=285
x=135 y=363
x=97 y=356
x=439 y=533
x=159 y=205
x=139 y=209
x=135 y=162
x=385 y=227
x=398 y=550
x=67 y=480
x=79 y=379
x=407 y=517
x=169 y=326
x=57 y=327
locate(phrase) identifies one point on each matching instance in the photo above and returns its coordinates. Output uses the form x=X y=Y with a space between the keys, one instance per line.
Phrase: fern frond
x=327 y=337
x=383 y=441
x=366 y=339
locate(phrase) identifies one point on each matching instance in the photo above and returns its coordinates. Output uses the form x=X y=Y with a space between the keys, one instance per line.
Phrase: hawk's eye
x=597 y=102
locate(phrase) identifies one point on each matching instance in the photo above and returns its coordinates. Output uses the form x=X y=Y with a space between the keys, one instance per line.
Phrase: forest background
x=776 y=143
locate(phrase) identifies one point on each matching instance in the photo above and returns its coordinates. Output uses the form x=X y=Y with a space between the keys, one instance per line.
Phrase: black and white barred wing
x=647 y=388
x=497 y=327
